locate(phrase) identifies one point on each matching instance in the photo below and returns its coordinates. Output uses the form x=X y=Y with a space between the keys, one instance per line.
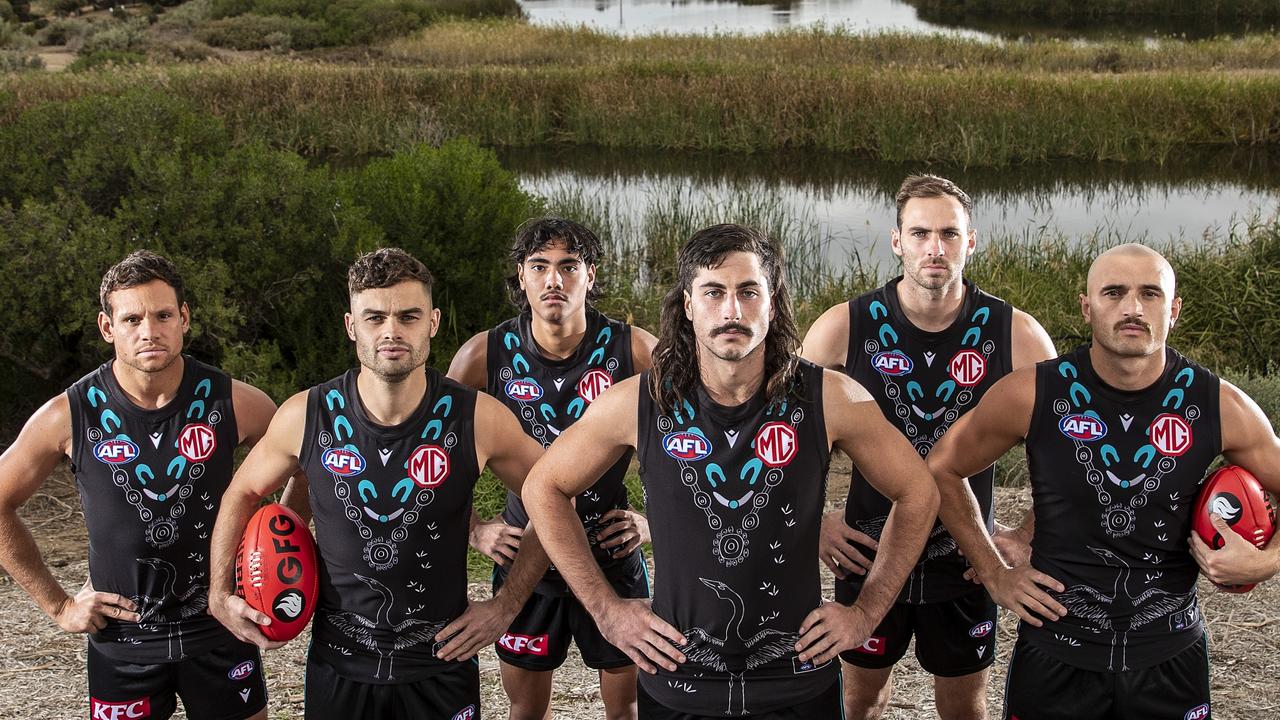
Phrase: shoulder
x=50 y=425
x=1031 y=343
x=642 y=344
x=470 y=364
x=827 y=341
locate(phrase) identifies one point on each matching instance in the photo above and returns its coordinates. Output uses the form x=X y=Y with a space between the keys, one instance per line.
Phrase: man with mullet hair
x=733 y=433
x=1119 y=434
x=926 y=345
x=394 y=635
x=548 y=364
x=151 y=436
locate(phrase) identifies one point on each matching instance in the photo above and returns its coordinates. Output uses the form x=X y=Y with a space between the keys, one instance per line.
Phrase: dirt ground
x=42 y=669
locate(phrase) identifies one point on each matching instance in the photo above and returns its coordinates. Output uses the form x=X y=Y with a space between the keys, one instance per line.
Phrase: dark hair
x=139 y=268
x=931 y=186
x=536 y=234
x=385 y=267
x=675 y=359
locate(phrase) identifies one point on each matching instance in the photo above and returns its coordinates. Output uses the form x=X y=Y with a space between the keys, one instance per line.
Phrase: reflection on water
x=851 y=200
x=642 y=17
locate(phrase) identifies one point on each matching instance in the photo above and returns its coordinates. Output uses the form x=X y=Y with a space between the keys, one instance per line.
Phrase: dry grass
x=43 y=669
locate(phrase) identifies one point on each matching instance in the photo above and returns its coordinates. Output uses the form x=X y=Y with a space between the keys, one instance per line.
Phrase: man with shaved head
x=1119 y=434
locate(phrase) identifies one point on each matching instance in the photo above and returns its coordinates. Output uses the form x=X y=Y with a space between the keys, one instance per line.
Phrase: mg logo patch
x=342 y=461
x=776 y=444
x=1170 y=434
x=593 y=383
x=116 y=452
x=1085 y=428
x=686 y=446
x=523 y=390
x=197 y=442
x=894 y=362
x=428 y=466
x=967 y=368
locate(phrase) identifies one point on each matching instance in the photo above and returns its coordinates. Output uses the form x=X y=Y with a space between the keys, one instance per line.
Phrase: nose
x=555 y=280
x=1132 y=305
x=732 y=307
x=935 y=246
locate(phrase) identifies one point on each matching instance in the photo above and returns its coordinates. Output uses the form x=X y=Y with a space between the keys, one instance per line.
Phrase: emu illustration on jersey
x=175 y=486
x=723 y=494
x=912 y=405
x=384 y=515
x=192 y=602
x=540 y=416
x=408 y=633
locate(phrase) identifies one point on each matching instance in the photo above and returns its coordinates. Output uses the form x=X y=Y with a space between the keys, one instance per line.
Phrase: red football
x=276 y=571
x=1236 y=495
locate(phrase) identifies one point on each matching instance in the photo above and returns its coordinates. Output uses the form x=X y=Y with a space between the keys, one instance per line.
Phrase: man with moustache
x=390 y=456
x=548 y=364
x=733 y=432
x=1119 y=434
x=927 y=345
x=151 y=436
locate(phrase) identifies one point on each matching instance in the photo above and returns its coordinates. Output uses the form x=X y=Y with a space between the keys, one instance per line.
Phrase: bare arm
x=827 y=342
x=270 y=463
x=24 y=467
x=571 y=465
x=642 y=344
x=1248 y=440
x=1000 y=421
x=891 y=465
x=470 y=364
x=1031 y=345
x=254 y=411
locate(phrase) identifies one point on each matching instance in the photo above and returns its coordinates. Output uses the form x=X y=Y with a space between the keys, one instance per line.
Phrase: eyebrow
x=721 y=286
x=945 y=228
x=406 y=311
x=572 y=260
x=1120 y=286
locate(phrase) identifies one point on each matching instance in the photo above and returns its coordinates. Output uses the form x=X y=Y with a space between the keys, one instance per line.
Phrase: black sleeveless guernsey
x=735 y=497
x=150 y=484
x=1114 y=476
x=923 y=382
x=548 y=396
x=392 y=508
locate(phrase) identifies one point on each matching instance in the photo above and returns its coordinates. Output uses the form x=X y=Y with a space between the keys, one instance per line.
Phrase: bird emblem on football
x=1236 y=495
x=276 y=571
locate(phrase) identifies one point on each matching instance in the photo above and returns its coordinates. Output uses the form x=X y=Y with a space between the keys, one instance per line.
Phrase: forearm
x=527 y=569
x=902 y=541
x=20 y=556
x=297 y=496
x=565 y=543
x=963 y=518
x=237 y=507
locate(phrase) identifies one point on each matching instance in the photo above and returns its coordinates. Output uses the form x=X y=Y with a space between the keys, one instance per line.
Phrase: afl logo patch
x=116 y=452
x=894 y=362
x=1085 y=428
x=981 y=630
x=523 y=390
x=686 y=446
x=241 y=671
x=197 y=442
x=342 y=461
x=1197 y=713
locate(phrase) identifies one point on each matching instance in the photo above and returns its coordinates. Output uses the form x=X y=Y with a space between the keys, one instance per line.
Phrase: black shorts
x=453 y=694
x=953 y=638
x=539 y=636
x=1039 y=687
x=225 y=683
x=827 y=704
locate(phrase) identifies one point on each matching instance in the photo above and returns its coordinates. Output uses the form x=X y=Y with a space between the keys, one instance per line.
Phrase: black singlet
x=1114 y=476
x=392 y=508
x=924 y=381
x=151 y=482
x=735 y=498
x=548 y=396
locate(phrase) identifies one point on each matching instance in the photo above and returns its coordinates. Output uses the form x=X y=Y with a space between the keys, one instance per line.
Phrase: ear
x=350 y=323
x=895 y=242
x=435 y=321
x=104 y=327
x=973 y=241
x=185 y=312
x=1084 y=308
x=1175 y=311
x=520 y=275
x=591 y=277
x=688 y=306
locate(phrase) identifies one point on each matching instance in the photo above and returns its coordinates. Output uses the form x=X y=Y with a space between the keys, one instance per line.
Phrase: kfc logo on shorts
x=428 y=466
x=593 y=383
x=524 y=644
x=99 y=710
x=197 y=442
x=776 y=444
x=1170 y=434
x=466 y=713
x=1197 y=713
x=241 y=671
x=967 y=368
x=982 y=629
x=873 y=646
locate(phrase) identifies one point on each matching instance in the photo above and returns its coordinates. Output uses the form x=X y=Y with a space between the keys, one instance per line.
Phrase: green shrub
x=62 y=8
x=12 y=37
x=455 y=208
x=106 y=58
x=129 y=36
x=64 y=31
x=251 y=32
x=6 y=12
x=185 y=18
x=11 y=61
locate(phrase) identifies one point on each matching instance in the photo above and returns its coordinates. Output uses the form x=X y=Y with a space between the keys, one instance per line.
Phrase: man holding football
x=1119 y=434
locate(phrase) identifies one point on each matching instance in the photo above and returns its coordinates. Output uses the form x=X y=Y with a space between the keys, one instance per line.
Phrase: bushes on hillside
x=258 y=32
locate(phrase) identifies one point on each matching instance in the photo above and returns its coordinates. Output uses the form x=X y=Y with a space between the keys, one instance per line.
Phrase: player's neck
x=1127 y=373
x=559 y=340
x=390 y=403
x=731 y=383
x=930 y=310
x=150 y=390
